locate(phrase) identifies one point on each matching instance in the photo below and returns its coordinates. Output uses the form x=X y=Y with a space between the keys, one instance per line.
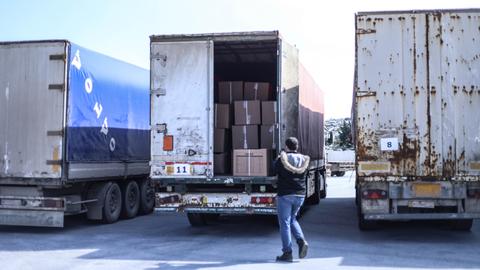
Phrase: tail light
x=374 y=194
x=262 y=200
x=473 y=193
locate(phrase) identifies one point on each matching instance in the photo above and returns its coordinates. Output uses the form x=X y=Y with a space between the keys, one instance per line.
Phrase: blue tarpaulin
x=108 y=113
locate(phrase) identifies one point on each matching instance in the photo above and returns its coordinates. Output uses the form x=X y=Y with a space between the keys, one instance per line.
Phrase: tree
x=345 y=135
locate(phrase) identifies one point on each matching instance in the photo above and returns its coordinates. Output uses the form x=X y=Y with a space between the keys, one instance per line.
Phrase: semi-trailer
x=74 y=135
x=416 y=110
x=222 y=106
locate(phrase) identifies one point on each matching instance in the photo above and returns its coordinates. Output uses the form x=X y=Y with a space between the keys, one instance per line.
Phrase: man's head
x=292 y=144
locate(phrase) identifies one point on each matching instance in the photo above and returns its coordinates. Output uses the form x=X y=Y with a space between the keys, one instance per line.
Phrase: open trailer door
x=182 y=109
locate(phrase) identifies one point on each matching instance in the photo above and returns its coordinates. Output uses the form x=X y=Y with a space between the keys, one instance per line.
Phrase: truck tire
x=196 y=219
x=147 y=197
x=461 y=224
x=342 y=173
x=367 y=225
x=113 y=204
x=131 y=199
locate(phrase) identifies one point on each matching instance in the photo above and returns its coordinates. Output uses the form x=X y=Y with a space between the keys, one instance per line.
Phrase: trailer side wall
x=108 y=109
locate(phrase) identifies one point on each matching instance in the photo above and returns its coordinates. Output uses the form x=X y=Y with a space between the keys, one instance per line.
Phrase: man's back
x=290 y=168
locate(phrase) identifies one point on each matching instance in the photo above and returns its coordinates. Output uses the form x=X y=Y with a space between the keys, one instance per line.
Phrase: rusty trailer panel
x=417 y=95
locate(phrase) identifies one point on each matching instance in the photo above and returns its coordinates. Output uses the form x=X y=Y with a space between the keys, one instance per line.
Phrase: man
x=291 y=168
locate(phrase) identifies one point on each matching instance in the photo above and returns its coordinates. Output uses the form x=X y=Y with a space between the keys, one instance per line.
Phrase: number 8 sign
x=389 y=144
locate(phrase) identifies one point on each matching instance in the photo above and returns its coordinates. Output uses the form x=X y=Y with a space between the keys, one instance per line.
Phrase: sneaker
x=285 y=257
x=302 y=248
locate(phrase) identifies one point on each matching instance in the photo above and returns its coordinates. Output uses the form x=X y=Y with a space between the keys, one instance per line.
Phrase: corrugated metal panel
x=454 y=64
x=391 y=91
x=289 y=89
x=32 y=80
x=182 y=106
x=417 y=83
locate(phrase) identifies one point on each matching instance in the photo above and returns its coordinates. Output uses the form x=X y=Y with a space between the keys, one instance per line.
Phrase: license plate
x=421 y=204
x=427 y=190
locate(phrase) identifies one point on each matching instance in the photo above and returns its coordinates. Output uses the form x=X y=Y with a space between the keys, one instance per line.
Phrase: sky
x=323 y=31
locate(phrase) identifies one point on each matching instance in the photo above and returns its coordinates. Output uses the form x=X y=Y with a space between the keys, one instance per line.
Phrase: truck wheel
x=131 y=199
x=113 y=204
x=462 y=224
x=196 y=219
x=342 y=173
x=147 y=197
x=367 y=225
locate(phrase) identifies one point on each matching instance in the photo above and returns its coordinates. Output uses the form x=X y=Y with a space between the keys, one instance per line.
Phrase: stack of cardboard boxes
x=253 y=133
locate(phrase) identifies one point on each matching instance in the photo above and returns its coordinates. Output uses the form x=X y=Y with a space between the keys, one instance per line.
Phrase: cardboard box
x=268 y=136
x=245 y=137
x=257 y=91
x=247 y=112
x=228 y=92
x=221 y=140
x=223 y=115
x=269 y=112
x=251 y=162
x=221 y=163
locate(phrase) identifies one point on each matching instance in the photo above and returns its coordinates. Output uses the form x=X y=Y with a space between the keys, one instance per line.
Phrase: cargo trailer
x=416 y=111
x=222 y=106
x=74 y=135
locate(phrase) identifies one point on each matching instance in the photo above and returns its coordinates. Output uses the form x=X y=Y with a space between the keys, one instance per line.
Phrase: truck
x=415 y=109
x=185 y=74
x=340 y=161
x=74 y=135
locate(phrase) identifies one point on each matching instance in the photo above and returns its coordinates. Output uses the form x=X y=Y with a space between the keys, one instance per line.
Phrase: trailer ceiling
x=246 y=51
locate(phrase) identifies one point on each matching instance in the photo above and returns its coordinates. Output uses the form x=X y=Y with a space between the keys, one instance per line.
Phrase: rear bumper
x=422 y=216
x=218 y=210
x=221 y=180
x=39 y=218
x=418 y=200
x=225 y=203
x=32 y=211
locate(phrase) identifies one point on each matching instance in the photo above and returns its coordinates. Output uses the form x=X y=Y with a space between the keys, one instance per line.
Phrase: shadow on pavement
x=253 y=242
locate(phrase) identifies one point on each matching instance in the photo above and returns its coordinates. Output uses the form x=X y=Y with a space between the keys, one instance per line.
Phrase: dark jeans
x=287 y=210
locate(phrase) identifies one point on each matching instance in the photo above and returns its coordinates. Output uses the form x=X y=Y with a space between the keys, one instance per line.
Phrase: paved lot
x=166 y=241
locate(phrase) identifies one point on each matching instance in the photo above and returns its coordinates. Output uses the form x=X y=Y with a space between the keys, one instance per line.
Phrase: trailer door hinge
x=365 y=31
x=159 y=92
x=61 y=57
x=55 y=132
x=60 y=87
x=55 y=162
x=160 y=128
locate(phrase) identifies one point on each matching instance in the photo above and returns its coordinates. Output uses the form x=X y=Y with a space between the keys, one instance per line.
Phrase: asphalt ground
x=167 y=241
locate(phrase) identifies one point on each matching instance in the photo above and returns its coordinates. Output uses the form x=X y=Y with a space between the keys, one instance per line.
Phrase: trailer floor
x=166 y=241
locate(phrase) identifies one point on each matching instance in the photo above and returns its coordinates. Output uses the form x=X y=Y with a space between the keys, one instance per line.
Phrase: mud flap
x=96 y=191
